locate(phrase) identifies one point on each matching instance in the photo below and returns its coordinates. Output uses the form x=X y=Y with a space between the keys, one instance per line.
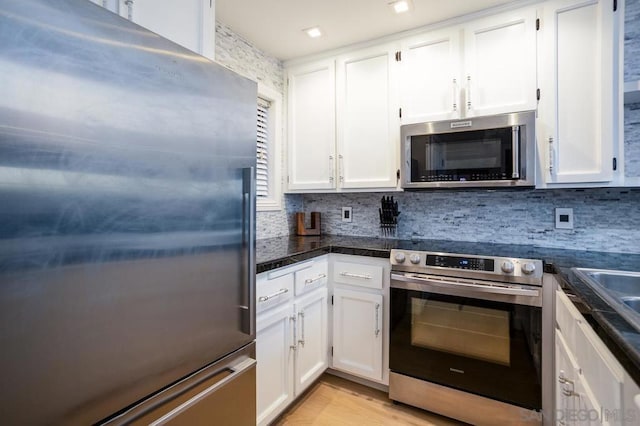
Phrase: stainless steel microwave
x=491 y=151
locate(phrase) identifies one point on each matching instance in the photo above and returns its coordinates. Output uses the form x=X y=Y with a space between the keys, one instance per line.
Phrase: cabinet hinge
x=398 y=56
x=331 y=300
x=398 y=174
x=538 y=94
x=615 y=163
x=538 y=24
x=615 y=5
x=400 y=112
x=288 y=179
x=331 y=350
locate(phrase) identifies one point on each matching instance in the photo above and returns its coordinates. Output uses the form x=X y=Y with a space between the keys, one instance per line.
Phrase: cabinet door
x=312 y=130
x=430 y=81
x=500 y=63
x=275 y=356
x=189 y=23
x=311 y=336
x=566 y=372
x=576 y=115
x=367 y=119
x=357 y=333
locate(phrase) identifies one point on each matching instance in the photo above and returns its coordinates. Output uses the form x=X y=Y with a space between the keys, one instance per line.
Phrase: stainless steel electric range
x=466 y=336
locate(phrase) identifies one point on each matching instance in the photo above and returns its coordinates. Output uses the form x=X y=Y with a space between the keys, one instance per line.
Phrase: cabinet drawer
x=273 y=292
x=357 y=274
x=567 y=318
x=313 y=277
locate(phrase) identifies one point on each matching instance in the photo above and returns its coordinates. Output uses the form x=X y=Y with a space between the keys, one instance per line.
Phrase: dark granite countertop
x=622 y=339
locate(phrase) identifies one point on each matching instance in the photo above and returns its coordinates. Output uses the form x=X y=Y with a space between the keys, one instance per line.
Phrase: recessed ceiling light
x=313 y=32
x=401 y=6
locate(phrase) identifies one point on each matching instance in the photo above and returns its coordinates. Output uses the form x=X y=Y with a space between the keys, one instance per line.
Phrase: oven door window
x=488 y=348
x=462 y=156
x=465 y=330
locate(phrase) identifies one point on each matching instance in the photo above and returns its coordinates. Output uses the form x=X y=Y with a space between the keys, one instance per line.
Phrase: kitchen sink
x=620 y=289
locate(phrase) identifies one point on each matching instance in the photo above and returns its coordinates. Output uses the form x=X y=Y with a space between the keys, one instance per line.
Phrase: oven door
x=481 y=343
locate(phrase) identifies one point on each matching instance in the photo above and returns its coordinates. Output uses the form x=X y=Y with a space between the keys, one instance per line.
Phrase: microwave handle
x=515 y=151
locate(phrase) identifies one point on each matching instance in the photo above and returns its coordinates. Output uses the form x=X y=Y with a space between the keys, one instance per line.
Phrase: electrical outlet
x=346 y=214
x=564 y=218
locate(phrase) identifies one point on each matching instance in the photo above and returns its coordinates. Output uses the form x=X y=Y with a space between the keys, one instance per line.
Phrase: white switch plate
x=564 y=218
x=347 y=213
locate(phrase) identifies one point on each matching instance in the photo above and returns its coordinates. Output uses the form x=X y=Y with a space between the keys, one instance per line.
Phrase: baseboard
x=368 y=383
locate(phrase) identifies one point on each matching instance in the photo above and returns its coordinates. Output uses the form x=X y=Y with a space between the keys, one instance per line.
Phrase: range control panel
x=458 y=262
x=508 y=269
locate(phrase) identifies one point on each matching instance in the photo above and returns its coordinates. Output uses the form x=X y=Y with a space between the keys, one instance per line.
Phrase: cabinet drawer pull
x=312 y=280
x=271 y=296
x=377 y=330
x=351 y=275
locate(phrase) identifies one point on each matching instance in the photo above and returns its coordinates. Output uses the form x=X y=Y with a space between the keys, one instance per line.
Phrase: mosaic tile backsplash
x=604 y=219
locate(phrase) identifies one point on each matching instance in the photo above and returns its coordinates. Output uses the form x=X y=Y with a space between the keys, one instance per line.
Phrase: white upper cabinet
x=500 y=63
x=311 y=118
x=367 y=116
x=486 y=66
x=431 y=77
x=189 y=23
x=576 y=125
x=343 y=123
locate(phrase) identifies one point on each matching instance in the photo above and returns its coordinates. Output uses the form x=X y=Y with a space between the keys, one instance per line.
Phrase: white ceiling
x=275 y=26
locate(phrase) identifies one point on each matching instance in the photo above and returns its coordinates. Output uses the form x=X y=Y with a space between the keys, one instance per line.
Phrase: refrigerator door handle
x=236 y=371
x=249 y=248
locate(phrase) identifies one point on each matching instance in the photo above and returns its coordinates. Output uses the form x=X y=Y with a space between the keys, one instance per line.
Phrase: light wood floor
x=335 y=401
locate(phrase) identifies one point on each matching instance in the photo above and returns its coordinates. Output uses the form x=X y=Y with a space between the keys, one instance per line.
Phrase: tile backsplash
x=604 y=219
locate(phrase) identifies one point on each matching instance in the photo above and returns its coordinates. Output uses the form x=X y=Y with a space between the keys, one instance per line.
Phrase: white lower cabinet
x=294 y=321
x=591 y=386
x=275 y=357
x=360 y=317
x=291 y=337
x=311 y=334
x=357 y=333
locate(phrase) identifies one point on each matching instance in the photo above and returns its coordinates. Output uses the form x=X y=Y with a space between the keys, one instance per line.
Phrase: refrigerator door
x=211 y=396
x=127 y=219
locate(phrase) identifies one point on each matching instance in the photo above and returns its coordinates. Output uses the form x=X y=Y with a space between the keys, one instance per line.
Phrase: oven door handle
x=470 y=286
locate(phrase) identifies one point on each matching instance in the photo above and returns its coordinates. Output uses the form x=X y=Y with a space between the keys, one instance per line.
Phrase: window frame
x=274 y=201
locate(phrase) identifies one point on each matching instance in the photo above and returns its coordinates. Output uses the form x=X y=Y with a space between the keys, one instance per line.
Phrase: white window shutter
x=262 y=150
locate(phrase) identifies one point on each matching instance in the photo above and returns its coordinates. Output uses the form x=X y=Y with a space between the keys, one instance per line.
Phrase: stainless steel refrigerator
x=126 y=224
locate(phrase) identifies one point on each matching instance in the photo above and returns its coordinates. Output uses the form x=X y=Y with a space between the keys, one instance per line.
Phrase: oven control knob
x=507 y=267
x=414 y=258
x=400 y=257
x=528 y=268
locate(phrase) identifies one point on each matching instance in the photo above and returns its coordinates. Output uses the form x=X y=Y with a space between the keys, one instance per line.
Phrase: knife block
x=315 y=224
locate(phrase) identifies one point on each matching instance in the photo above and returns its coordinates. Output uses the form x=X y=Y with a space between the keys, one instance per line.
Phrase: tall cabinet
x=577 y=126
